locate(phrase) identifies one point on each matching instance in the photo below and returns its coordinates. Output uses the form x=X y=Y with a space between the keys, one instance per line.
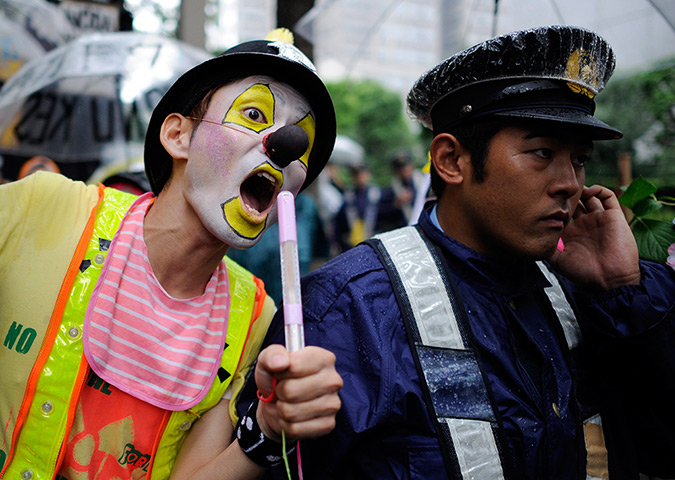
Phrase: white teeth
x=268 y=177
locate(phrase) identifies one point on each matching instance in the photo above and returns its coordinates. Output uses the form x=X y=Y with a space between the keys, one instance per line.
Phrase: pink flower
x=671 y=256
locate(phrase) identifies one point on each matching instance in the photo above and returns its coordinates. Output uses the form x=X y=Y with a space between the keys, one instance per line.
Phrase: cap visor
x=596 y=129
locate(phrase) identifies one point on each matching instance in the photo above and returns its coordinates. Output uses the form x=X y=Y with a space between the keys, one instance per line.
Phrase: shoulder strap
x=562 y=308
x=452 y=381
x=455 y=389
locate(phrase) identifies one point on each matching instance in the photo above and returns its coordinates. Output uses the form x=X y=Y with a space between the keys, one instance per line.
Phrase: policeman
x=472 y=347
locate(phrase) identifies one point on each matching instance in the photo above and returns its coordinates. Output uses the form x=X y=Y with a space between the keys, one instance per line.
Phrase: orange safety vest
x=52 y=388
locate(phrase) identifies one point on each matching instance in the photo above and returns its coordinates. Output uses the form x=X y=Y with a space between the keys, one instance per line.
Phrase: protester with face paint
x=126 y=331
x=470 y=346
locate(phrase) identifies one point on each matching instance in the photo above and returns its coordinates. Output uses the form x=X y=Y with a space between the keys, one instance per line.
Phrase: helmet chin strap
x=286 y=145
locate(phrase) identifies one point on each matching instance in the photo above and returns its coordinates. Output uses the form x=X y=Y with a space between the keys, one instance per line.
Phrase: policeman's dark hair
x=475 y=136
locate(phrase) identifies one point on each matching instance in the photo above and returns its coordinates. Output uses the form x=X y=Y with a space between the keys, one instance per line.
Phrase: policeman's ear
x=175 y=135
x=451 y=160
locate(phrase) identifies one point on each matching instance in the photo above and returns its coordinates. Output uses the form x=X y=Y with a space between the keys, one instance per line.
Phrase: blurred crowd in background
x=79 y=85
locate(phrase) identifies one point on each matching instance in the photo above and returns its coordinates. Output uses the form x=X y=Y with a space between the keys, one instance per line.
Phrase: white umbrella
x=45 y=22
x=91 y=99
x=347 y=152
x=17 y=46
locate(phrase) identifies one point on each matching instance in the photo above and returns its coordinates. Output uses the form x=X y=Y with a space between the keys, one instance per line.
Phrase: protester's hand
x=305 y=399
x=600 y=250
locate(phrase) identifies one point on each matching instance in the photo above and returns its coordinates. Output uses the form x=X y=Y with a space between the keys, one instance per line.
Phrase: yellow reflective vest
x=42 y=366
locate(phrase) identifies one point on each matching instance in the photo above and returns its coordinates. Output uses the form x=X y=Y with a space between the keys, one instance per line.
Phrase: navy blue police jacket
x=625 y=368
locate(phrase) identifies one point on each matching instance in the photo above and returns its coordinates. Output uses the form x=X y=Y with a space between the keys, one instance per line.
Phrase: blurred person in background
x=36 y=164
x=396 y=204
x=358 y=216
x=2 y=178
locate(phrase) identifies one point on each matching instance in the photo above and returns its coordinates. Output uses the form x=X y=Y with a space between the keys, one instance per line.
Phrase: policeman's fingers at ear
x=596 y=198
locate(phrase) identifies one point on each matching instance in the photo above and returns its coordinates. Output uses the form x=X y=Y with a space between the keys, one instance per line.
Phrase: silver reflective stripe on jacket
x=562 y=308
x=473 y=439
x=596 y=453
x=469 y=428
x=431 y=306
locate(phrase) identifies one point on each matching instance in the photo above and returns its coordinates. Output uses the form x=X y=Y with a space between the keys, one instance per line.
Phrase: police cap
x=550 y=73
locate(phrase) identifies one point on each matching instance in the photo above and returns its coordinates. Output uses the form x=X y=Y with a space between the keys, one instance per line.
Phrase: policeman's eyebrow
x=561 y=136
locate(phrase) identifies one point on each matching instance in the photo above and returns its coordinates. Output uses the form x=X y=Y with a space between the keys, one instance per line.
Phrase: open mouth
x=259 y=190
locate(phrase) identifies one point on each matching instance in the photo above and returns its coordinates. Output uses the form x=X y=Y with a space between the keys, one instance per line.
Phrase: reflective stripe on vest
x=52 y=408
x=55 y=398
x=562 y=308
x=466 y=425
x=451 y=372
x=597 y=459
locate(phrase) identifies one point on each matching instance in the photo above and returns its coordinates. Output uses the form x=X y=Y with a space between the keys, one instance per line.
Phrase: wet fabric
x=384 y=430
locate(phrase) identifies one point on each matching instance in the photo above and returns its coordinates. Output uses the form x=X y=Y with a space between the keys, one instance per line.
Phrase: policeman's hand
x=305 y=399
x=600 y=250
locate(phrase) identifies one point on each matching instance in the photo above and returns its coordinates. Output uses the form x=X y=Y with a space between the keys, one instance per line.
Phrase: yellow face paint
x=236 y=217
x=309 y=126
x=253 y=109
x=244 y=219
x=235 y=210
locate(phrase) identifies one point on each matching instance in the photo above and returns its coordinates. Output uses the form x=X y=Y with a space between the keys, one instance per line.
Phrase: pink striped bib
x=162 y=350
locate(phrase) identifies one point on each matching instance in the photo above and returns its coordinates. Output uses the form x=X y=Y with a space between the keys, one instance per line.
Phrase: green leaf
x=636 y=191
x=646 y=206
x=653 y=238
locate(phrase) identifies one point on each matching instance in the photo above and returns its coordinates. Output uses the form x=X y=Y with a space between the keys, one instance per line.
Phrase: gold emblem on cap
x=581 y=67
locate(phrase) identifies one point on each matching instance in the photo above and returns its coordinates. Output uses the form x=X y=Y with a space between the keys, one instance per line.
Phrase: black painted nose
x=286 y=144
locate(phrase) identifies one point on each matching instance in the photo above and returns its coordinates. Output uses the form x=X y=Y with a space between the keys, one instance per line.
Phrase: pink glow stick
x=561 y=245
x=290 y=272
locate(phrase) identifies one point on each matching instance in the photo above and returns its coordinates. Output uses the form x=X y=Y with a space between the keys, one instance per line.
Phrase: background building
x=394 y=41
x=238 y=21
x=388 y=41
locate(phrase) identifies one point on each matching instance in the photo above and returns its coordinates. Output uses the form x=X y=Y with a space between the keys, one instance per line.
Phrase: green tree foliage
x=372 y=116
x=642 y=106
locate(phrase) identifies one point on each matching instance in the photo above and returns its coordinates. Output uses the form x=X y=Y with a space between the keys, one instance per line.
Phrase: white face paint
x=229 y=180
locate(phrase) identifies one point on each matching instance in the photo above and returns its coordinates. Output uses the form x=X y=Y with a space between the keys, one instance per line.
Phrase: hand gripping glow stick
x=290 y=272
